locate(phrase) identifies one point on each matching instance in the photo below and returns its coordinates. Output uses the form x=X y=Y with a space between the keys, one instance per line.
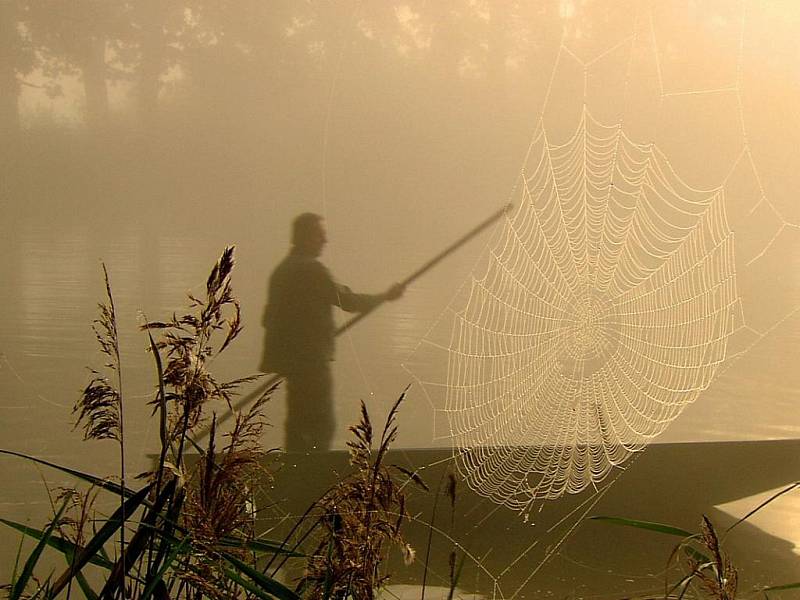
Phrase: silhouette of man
x=299 y=339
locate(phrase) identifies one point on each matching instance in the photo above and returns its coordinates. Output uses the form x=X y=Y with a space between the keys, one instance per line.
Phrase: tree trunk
x=9 y=86
x=94 y=82
x=152 y=62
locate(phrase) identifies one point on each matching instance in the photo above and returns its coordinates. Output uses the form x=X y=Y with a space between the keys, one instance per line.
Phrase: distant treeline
x=212 y=57
x=174 y=99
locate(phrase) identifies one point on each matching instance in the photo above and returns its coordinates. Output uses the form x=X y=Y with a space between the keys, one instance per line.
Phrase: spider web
x=605 y=309
x=601 y=309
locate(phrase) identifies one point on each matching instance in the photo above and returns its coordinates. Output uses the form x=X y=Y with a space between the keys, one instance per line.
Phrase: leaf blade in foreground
x=27 y=570
x=103 y=483
x=647 y=525
x=108 y=529
x=265 y=583
x=56 y=542
x=785 y=586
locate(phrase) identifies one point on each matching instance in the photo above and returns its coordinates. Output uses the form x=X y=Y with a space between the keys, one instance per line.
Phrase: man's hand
x=394 y=292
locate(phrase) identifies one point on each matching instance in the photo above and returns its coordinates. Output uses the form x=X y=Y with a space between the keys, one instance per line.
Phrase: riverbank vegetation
x=187 y=528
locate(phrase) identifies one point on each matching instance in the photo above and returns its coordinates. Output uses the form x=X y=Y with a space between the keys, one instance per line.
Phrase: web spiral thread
x=605 y=309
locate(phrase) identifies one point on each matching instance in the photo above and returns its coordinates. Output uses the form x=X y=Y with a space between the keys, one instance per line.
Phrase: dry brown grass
x=361 y=519
x=714 y=572
x=195 y=535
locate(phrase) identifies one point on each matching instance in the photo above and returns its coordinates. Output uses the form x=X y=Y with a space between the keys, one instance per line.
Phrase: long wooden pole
x=272 y=381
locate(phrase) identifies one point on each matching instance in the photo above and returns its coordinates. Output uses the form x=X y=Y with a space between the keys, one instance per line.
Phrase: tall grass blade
x=682 y=584
x=266 y=546
x=137 y=545
x=328 y=586
x=108 y=529
x=16 y=558
x=162 y=431
x=57 y=542
x=429 y=543
x=284 y=544
x=154 y=579
x=772 y=498
x=695 y=554
x=456 y=576
x=87 y=590
x=412 y=476
x=265 y=583
x=44 y=590
x=785 y=586
x=166 y=533
x=247 y=585
x=690 y=551
x=18 y=588
x=162 y=401
x=97 y=481
x=647 y=525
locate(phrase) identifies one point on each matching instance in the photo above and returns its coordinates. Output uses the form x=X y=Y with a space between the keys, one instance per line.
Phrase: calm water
x=54 y=281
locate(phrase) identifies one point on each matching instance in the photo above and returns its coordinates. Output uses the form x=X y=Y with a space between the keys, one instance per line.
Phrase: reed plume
x=716 y=577
x=192 y=524
x=217 y=490
x=100 y=406
x=219 y=504
x=361 y=518
x=189 y=343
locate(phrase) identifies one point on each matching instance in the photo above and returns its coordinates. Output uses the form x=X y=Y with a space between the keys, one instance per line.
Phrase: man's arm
x=348 y=300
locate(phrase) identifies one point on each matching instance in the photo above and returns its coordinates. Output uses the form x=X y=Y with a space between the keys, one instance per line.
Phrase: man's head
x=308 y=234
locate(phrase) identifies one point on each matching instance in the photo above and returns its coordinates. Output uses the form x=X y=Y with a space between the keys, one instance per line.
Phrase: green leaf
x=250 y=587
x=55 y=541
x=696 y=555
x=87 y=590
x=259 y=546
x=108 y=529
x=167 y=531
x=107 y=485
x=27 y=571
x=785 y=586
x=648 y=525
x=159 y=575
x=162 y=404
x=196 y=446
x=17 y=557
x=137 y=545
x=267 y=584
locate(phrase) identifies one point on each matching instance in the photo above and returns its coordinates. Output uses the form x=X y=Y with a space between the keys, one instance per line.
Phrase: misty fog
x=149 y=135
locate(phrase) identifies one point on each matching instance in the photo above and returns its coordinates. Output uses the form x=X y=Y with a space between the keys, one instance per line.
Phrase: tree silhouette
x=82 y=38
x=16 y=61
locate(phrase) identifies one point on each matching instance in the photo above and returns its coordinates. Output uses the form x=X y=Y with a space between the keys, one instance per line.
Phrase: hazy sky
x=403 y=124
x=149 y=135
